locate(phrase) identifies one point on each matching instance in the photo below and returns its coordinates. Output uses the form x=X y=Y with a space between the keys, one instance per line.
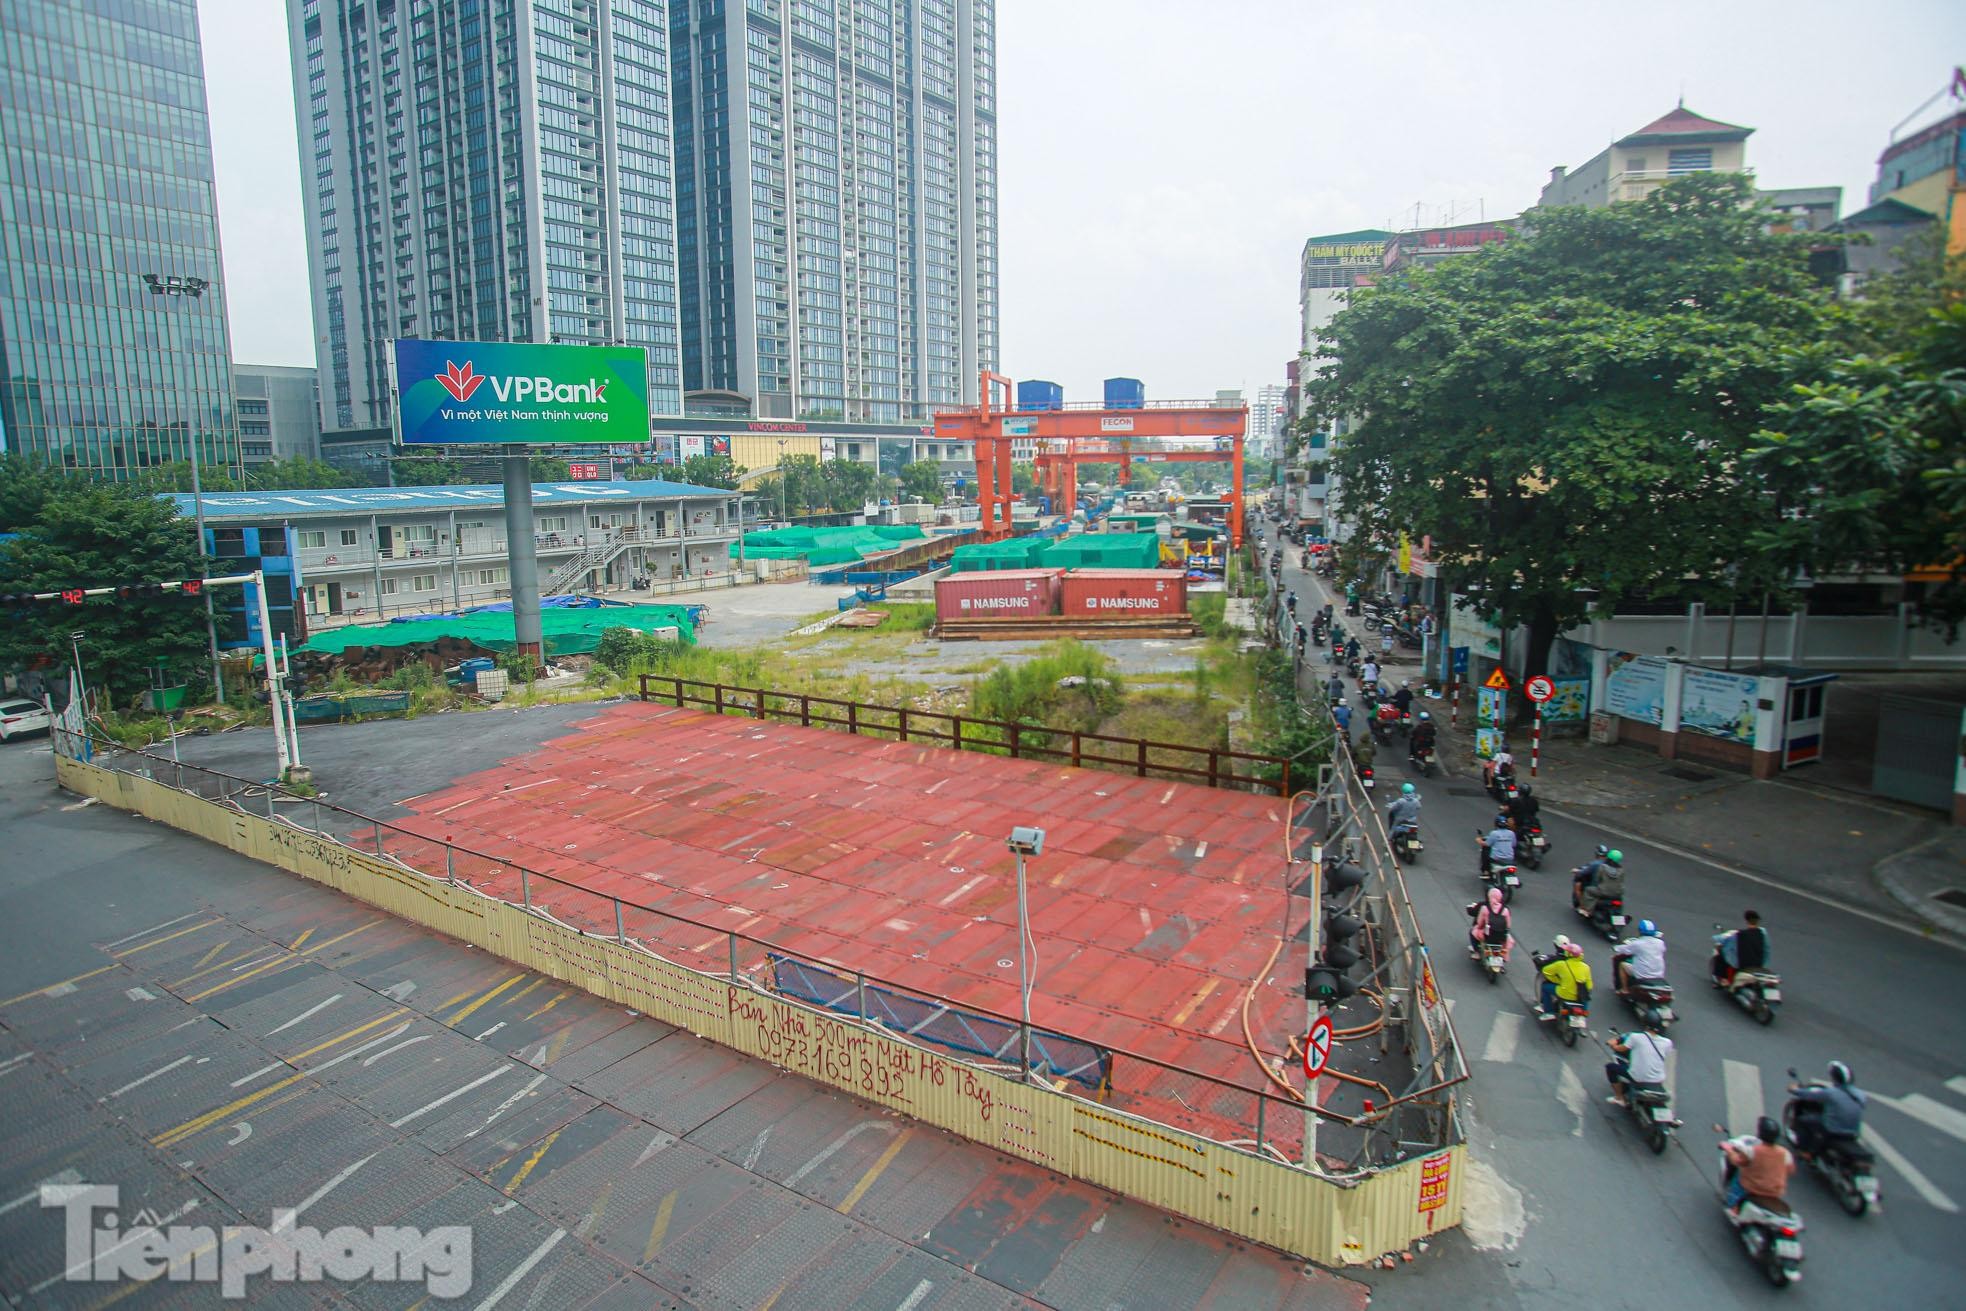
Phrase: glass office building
x=493 y=171
x=106 y=177
x=837 y=203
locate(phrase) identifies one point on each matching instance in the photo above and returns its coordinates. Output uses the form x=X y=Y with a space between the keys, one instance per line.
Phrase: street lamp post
x=170 y=284
x=1024 y=842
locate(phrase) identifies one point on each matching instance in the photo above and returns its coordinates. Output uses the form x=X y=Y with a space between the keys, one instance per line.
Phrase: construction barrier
x=1257 y=1197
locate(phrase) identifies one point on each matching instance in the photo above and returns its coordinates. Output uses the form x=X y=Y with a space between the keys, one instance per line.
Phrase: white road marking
x=507 y=1105
x=450 y=1096
x=245 y=1132
x=59 y=990
x=962 y=891
x=311 y=1010
x=757 y=1150
x=1570 y=1091
x=139 y=994
x=1920 y=1107
x=407 y=1042
x=1924 y=1187
x=1744 y=1104
x=826 y=1154
x=261 y=1072
x=524 y=1268
x=137 y=1233
x=141 y=933
x=286 y=1220
x=69 y=1176
x=399 y=991
x=1503 y=1035
x=915 y=1299
x=1201 y=849
x=154 y=1074
x=12 y=1062
x=661 y=1142
x=489 y=1032
x=1957 y=1083
x=353 y=1052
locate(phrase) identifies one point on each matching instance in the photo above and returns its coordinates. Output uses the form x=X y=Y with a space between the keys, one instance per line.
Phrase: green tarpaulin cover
x=1016 y=553
x=1104 y=551
x=823 y=546
x=567 y=631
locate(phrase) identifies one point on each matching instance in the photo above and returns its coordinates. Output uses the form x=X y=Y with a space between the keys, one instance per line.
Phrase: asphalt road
x=1573 y=1207
x=217 y=1039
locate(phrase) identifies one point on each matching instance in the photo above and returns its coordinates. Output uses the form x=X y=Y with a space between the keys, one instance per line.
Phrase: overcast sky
x=1162 y=162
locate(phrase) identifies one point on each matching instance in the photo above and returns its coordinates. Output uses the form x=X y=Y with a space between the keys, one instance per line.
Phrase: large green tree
x=91 y=534
x=849 y=484
x=25 y=486
x=922 y=478
x=710 y=471
x=1566 y=413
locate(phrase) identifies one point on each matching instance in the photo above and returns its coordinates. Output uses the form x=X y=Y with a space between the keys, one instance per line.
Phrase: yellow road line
x=1181 y=1016
x=541 y=1010
x=444 y=1006
x=465 y=1014
x=63 y=983
x=295 y=945
x=593 y=1220
x=512 y=1185
x=874 y=1171
x=360 y=928
x=281 y=963
x=198 y=1124
x=158 y=942
x=249 y=952
x=213 y=952
x=537 y=980
x=557 y=1046
x=660 y=1229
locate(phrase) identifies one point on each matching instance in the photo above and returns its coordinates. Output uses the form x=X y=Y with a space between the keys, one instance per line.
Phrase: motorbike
x=1406 y=842
x=1352 y=666
x=1652 y=1109
x=1651 y=1001
x=1607 y=916
x=1573 y=1018
x=1408 y=639
x=1491 y=956
x=1848 y=1168
x=1422 y=759
x=640 y=582
x=1771 y=1236
x=1758 y=992
x=1317 y=634
x=1365 y=777
x=1498 y=874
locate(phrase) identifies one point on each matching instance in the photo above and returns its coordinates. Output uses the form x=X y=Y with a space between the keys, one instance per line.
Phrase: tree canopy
x=922 y=478
x=1567 y=413
x=710 y=471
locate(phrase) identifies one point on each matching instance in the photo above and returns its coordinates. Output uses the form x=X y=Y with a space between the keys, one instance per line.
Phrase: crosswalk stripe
x=1744 y=1104
x=1503 y=1035
x=1920 y=1107
x=1958 y=1084
x=1924 y=1187
x=1570 y=1091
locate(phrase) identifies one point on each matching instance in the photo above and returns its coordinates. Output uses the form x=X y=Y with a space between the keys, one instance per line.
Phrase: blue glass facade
x=105 y=176
x=488 y=170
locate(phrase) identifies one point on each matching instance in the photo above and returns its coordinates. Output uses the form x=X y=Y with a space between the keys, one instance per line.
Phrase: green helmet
x=1406 y=789
x=1615 y=856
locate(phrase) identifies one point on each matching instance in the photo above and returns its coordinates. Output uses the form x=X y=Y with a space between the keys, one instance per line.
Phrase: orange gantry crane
x=1075 y=434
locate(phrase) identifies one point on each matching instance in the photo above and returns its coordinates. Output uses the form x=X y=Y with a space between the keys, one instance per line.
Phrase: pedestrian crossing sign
x=1498 y=680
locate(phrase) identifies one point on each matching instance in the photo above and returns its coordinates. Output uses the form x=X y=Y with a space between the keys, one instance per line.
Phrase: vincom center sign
x=453 y=393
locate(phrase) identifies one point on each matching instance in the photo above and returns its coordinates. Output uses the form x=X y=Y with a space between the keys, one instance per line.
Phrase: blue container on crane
x=1033 y=394
x=1125 y=394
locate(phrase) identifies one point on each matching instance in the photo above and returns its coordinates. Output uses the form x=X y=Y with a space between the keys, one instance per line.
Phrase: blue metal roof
x=376 y=500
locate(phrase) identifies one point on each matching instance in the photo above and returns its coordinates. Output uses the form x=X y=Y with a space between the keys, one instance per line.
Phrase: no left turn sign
x=1317 y=1047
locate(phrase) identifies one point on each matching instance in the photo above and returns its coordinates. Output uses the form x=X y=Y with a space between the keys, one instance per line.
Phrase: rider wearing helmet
x=1599 y=878
x=1828 y=1115
x=1759 y=1167
x=1565 y=976
x=1524 y=811
x=1639 y=959
x=1405 y=808
x=1638 y=1061
x=1423 y=734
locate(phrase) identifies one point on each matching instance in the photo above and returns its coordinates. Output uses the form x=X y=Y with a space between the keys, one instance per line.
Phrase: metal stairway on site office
x=592 y=557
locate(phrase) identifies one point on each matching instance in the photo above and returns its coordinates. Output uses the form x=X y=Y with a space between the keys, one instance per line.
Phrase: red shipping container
x=1115 y=593
x=997 y=594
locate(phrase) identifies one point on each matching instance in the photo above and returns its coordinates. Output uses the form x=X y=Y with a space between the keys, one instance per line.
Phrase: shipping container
x=997 y=594
x=1033 y=394
x=1125 y=394
x=1119 y=593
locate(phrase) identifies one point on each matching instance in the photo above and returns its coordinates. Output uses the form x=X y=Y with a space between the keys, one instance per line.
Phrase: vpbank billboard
x=452 y=393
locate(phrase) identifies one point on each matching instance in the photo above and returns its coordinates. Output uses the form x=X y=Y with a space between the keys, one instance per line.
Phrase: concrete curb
x=1897 y=874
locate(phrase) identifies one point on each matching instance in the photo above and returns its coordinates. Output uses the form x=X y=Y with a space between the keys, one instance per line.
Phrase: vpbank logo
x=460 y=383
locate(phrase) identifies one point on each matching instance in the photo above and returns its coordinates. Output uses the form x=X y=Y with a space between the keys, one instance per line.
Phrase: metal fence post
x=620 y=932
x=1075 y=749
x=902 y=721
x=860 y=996
x=378 y=839
x=720 y=697
x=956 y=732
x=269 y=803
x=733 y=956
x=1141 y=756
x=853 y=717
x=1214 y=769
x=525 y=886
x=450 y=863
x=1262 y=1104
x=805 y=710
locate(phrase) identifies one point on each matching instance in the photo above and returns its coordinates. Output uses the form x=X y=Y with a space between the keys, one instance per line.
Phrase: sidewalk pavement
x=1791 y=831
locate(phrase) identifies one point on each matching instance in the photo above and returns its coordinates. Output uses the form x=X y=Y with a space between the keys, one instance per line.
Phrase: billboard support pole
x=522 y=558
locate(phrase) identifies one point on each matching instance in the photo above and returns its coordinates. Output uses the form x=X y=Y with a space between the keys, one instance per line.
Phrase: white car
x=18 y=716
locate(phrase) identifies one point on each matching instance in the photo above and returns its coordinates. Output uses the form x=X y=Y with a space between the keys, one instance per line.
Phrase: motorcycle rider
x=1364 y=752
x=1745 y=948
x=1343 y=714
x=1290 y=603
x=1639 y=1062
x=1565 y=977
x=1499 y=769
x=1403 y=699
x=1498 y=848
x=1405 y=808
x=1596 y=879
x=1302 y=637
x=1334 y=691
x=1828 y=1115
x=1423 y=736
x=1491 y=926
x=1368 y=673
x=1523 y=812
x=1759 y=1167
x=1351 y=649
x=1639 y=959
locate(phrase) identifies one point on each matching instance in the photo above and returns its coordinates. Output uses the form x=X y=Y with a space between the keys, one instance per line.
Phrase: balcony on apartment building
x=472 y=547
